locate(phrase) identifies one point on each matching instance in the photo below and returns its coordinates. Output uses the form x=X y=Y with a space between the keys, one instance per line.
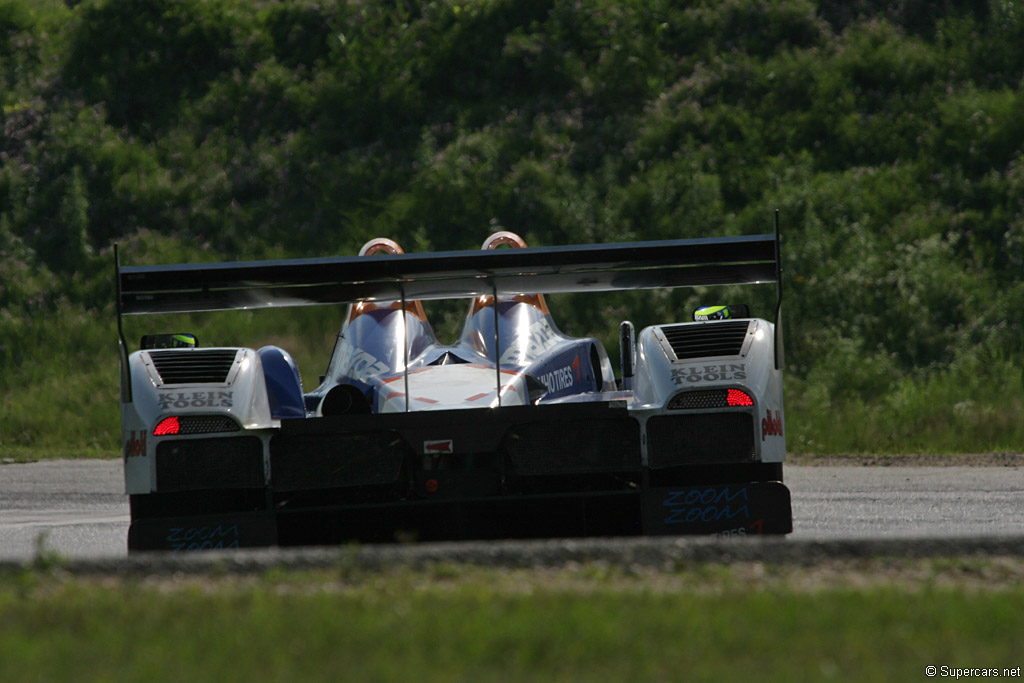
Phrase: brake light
x=169 y=425
x=736 y=397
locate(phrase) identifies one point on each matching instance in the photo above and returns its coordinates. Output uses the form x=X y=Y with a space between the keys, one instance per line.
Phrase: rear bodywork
x=515 y=430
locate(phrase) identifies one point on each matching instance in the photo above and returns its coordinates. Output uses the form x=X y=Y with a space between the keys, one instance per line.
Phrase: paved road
x=77 y=507
x=912 y=502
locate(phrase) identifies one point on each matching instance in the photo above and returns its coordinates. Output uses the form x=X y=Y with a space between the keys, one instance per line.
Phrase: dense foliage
x=889 y=135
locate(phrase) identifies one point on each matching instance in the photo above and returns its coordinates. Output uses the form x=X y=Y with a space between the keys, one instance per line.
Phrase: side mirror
x=169 y=341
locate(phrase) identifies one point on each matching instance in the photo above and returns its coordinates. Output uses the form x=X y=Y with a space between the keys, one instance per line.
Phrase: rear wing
x=447 y=275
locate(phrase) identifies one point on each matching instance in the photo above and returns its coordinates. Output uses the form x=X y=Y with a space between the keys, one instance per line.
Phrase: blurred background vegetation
x=888 y=133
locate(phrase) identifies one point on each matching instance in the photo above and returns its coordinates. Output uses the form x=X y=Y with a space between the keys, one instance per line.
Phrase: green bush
x=887 y=134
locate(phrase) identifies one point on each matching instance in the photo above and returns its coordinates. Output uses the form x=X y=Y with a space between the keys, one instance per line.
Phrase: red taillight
x=168 y=425
x=736 y=397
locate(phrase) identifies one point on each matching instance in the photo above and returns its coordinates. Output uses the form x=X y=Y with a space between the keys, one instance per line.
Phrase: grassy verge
x=870 y=620
x=72 y=408
x=975 y=406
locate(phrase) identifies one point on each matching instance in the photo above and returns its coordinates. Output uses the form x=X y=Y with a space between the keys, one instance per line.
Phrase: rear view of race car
x=515 y=430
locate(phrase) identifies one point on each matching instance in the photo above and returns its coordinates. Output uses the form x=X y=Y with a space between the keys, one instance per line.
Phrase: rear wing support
x=122 y=345
x=780 y=354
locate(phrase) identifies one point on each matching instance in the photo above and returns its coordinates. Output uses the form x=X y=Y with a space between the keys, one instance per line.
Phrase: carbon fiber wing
x=446 y=275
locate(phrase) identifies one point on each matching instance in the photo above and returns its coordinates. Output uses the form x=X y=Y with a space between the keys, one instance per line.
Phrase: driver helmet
x=712 y=313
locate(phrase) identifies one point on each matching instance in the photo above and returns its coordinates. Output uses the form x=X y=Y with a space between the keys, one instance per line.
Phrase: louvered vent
x=708 y=339
x=694 y=400
x=711 y=398
x=206 y=424
x=193 y=367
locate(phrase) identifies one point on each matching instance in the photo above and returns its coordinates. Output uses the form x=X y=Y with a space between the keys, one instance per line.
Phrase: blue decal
x=567 y=373
x=691 y=506
x=217 y=537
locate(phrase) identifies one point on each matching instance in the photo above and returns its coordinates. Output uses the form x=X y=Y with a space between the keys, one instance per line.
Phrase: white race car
x=515 y=430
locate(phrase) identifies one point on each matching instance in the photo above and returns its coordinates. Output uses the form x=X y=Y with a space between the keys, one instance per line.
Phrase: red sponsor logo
x=445 y=446
x=771 y=425
x=135 y=446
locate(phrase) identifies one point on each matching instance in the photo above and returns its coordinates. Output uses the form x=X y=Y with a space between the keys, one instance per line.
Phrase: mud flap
x=725 y=509
x=205 y=532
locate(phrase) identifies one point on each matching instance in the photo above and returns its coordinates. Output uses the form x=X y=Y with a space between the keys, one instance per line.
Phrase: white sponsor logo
x=196 y=399
x=355 y=362
x=562 y=378
x=710 y=373
x=539 y=338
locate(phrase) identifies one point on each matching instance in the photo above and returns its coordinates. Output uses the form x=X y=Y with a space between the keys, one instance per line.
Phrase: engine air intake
x=706 y=339
x=193 y=367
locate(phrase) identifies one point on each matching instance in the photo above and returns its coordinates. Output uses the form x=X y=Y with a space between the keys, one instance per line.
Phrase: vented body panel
x=578 y=447
x=219 y=463
x=336 y=460
x=708 y=398
x=202 y=366
x=703 y=438
x=706 y=340
x=206 y=424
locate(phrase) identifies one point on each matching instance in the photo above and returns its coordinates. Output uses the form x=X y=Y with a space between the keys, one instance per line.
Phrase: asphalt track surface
x=77 y=509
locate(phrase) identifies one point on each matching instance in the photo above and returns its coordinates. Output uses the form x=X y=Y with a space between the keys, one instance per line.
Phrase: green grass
x=975 y=406
x=72 y=409
x=71 y=365
x=77 y=416
x=876 y=620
